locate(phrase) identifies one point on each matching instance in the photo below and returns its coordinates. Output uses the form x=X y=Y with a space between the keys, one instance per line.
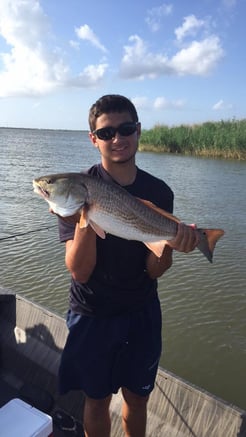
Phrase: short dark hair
x=111 y=103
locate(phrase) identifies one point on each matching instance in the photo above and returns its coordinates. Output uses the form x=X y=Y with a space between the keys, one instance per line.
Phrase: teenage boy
x=114 y=317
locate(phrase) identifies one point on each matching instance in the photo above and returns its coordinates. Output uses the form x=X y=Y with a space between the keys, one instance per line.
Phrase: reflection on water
x=203 y=305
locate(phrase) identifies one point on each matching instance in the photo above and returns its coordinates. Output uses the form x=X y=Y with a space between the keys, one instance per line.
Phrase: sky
x=179 y=62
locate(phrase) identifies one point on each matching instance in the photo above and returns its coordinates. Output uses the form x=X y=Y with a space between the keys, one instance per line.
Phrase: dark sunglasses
x=109 y=132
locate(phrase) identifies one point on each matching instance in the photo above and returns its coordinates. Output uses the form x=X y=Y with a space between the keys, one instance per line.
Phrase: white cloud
x=31 y=67
x=138 y=63
x=91 y=76
x=23 y=22
x=163 y=103
x=220 y=105
x=155 y=15
x=86 y=33
x=26 y=66
x=190 y=26
x=74 y=44
x=198 y=58
x=141 y=102
x=158 y=104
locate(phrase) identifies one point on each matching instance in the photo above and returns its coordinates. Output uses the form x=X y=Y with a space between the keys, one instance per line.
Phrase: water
x=203 y=305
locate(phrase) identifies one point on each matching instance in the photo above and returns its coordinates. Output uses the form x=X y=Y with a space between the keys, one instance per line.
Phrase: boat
x=31 y=341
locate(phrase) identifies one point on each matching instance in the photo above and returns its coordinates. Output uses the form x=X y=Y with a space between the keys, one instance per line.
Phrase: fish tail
x=208 y=240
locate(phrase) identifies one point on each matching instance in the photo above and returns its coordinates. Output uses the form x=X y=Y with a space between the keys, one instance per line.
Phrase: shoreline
x=198 y=154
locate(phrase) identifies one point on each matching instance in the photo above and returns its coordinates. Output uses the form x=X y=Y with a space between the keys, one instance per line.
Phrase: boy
x=114 y=318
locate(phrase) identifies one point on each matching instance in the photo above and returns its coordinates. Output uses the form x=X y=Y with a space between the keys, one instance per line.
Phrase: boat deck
x=168 y=416
x=31 y=341
x=11 y=388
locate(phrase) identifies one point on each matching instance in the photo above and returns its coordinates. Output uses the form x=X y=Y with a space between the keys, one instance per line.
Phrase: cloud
x=159 y=103
x=141 y=102
x=163 y=103
x=86 y=33
x=190 y=26
x=138 y=63
x=31 y=67
x=74 y=44
x=198 y=58
x=15 y=19
x=220 y=105
x=155 y=15
x=26 y=65
x=91 y=76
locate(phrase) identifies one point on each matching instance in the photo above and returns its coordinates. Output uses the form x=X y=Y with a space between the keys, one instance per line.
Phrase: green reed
x=223 y=139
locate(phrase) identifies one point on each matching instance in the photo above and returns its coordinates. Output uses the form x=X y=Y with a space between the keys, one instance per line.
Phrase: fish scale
x=125 y=210
x=137 y=224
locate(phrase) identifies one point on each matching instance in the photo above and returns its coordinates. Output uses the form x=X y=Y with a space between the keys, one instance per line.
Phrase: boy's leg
x=134 y=413
x=96 y=420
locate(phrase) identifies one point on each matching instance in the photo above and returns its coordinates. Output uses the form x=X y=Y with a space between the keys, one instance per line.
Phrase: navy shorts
x=103 y=354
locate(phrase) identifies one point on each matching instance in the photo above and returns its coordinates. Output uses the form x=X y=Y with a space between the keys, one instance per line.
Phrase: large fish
x=108 y=207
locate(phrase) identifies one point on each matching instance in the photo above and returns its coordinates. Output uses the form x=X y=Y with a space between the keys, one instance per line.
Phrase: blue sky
x=178 y=61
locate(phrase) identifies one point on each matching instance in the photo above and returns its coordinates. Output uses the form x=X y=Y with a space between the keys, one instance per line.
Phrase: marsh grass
x=223 y=139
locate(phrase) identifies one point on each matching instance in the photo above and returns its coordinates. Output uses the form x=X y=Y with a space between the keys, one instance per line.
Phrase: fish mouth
x=42 y=191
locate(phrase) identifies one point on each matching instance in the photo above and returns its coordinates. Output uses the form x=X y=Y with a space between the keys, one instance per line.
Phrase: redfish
x=109 y=208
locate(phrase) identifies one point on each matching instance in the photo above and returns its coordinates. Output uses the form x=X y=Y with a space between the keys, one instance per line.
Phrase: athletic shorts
x=103 y=354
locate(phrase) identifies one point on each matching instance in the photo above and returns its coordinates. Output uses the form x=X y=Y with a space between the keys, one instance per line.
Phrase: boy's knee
x=97 y=405
x=133 y=399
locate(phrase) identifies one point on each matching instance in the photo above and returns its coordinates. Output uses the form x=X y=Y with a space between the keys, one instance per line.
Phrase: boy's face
x=120 y=148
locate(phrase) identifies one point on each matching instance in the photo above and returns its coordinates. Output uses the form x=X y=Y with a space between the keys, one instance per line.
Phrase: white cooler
x=19 y=419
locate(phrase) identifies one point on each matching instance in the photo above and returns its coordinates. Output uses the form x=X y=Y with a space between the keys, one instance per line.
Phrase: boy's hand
x=186 y=240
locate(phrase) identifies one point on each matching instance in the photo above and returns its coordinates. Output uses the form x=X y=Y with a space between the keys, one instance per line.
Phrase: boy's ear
x=93 y=139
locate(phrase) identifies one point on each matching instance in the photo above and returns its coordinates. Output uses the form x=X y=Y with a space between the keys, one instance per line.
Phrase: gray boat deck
x=31 y=341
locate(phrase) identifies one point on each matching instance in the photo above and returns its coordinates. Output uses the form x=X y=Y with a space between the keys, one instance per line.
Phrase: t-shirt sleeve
x=66 y=230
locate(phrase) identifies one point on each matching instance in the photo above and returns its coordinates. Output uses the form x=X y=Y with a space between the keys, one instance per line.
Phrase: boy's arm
x=80 y=256
x=80 y=252
x=157 y=266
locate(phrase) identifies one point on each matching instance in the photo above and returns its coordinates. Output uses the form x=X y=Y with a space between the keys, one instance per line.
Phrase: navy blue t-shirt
x=119 y=282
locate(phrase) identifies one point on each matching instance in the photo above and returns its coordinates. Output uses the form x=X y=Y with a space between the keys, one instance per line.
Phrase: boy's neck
x=123 y=173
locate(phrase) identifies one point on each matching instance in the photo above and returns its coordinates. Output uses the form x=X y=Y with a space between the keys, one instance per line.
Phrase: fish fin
x=99 y=231
x=160 y=210
x=156 y=247
x=208 y=240
x=83 y=222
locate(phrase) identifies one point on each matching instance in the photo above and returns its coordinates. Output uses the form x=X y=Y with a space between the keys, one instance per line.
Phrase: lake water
x=203 y=304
